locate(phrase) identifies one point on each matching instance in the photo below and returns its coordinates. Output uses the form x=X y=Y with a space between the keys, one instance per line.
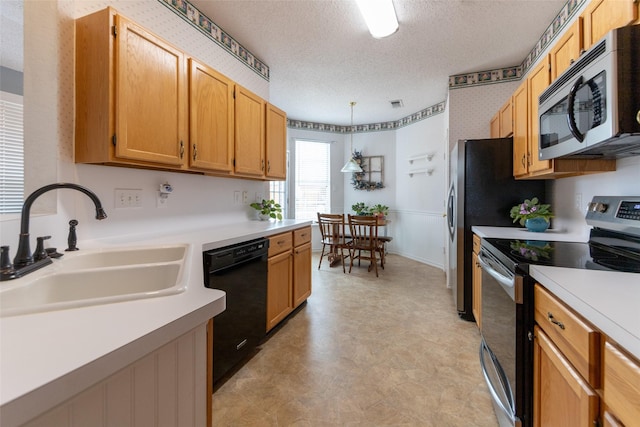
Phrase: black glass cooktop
x=594 y=255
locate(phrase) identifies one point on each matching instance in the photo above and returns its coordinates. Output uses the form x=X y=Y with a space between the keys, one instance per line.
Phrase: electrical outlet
x=245 y=197
x=126 y=198
x=161 y=202
x=236 y=198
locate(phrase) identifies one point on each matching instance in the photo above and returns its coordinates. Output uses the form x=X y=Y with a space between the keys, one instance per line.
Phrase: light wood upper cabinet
x=604 y=15
x=276 y=143
x=211 y=119
x=249 y=133
x=520 y=102
x=131 y=94
x=538 y=81
x=566 y=50
x=494 y=126
x=506 y=120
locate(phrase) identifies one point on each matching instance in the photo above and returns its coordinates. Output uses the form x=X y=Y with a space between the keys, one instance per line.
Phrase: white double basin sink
x=94 y=277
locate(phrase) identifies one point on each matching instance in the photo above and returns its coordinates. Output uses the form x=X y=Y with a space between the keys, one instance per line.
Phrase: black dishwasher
x=241 y=272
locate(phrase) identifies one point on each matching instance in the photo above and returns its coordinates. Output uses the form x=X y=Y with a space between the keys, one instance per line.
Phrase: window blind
x=312 y=179
x=11 y=153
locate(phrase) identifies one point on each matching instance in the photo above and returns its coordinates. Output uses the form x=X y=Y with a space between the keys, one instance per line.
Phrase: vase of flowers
x=268 y=209
x=532 y=214
x=379 y=210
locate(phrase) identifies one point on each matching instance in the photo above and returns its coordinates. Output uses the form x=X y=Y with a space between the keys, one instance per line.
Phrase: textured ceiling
x=321 y=55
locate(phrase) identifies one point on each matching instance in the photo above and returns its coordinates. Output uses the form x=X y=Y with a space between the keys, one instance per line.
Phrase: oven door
x=500 y=359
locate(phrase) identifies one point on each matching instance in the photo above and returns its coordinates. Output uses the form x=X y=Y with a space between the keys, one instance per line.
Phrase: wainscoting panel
x=419 y=235
x=165 y=388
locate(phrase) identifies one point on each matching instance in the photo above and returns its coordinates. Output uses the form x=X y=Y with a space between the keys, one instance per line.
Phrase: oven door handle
x=488 y=266
x=502 y=378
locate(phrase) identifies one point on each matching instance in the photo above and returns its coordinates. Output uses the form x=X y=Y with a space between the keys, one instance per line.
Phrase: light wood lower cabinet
x=477 y=282
x=562 y=398
x=621 y=387
x=289 y=273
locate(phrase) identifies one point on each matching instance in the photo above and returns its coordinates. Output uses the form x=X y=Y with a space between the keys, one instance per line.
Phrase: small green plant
x=379 y=210
x=360 y=208
x=268 y=208
x=530 y=209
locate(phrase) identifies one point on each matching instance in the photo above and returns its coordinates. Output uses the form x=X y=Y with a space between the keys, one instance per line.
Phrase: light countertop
x=522 y=233
x=45 y=358
x=608 y=299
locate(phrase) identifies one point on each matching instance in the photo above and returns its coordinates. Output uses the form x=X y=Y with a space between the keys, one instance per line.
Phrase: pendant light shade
x=351 y=166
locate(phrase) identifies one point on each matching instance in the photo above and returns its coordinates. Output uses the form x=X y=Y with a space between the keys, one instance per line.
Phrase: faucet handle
x=40 y=252
x=5 y=259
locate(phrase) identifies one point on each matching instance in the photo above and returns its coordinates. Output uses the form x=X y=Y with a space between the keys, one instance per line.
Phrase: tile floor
x=364 y=351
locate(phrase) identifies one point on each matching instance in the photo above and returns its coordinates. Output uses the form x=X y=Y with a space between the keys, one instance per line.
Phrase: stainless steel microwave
x=592 y=110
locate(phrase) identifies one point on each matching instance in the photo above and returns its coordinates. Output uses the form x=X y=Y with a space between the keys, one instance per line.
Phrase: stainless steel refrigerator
x=482 y=191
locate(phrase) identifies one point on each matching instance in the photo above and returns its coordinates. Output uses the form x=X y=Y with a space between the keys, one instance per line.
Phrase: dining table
x=334 y=257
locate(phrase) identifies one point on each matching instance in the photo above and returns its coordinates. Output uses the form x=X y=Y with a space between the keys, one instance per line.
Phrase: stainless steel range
x=506 y=351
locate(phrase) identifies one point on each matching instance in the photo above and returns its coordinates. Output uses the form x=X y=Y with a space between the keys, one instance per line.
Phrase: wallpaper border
x=206 y=26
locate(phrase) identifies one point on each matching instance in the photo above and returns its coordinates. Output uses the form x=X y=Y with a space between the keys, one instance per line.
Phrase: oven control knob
x=597 y=207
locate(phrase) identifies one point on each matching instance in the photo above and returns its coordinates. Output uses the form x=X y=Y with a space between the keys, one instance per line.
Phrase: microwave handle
x=571 y=119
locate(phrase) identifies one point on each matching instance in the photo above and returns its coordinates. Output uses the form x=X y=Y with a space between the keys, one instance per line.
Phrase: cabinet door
x=151 y=96
x=301 y=273
x=279 y=298
x=477 y=289
x=538 y=81
x=621 y=385
x=604 y=15
x=566 y=50
x=276 y=143
x=249 y=133
x=210 y=119
x=506 y=120
x=560 y=396
x=520 y=129
x=494 y=126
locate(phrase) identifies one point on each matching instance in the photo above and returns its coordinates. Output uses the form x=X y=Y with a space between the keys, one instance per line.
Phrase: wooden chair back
x=334 y=238
x=364 y=235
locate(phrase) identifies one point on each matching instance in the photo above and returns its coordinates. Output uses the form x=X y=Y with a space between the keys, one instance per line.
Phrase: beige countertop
x=522 y=233
x=45 y=358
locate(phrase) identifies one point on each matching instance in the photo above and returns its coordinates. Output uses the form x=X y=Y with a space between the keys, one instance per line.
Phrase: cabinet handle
x=523 y=156
x=262 y=165
x=195 y=152
x=554 y=321
x=181 y=149
x=268 y=166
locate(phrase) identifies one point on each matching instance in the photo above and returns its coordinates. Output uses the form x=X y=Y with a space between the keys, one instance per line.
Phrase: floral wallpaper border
x=371 y=127
x=516 y=72
x=199 y=20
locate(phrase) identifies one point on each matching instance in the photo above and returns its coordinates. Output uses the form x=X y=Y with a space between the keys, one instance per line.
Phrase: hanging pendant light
x=351 y=166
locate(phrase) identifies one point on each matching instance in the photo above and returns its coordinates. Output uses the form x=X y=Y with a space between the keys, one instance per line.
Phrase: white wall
x=420 y=199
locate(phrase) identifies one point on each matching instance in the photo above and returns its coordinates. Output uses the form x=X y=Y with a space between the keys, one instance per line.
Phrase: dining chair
x=334 y=238
x=364 y=235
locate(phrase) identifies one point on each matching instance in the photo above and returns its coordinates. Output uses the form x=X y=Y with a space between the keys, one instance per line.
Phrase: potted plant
x=268 y=209
x=360 y=208
x=532 y=214
x=379 y=210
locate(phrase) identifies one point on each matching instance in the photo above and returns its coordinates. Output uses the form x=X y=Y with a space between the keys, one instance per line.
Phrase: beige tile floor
x=364 y=351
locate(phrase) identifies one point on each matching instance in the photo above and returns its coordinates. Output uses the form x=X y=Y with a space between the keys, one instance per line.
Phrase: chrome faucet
x=24 y=257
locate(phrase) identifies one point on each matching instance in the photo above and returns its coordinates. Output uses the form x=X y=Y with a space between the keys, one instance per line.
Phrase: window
x=312 y=179
x=11 y=153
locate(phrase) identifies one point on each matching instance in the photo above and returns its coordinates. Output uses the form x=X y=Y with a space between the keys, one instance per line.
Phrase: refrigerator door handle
x=450 y=212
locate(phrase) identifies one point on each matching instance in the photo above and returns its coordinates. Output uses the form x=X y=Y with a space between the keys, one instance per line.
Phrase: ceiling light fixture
x=380 y=17
x=351 y=166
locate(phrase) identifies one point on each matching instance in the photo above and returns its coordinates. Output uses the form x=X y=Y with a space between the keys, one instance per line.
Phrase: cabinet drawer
x=476 y=243
x=621 y=385
x=280 y=243
x=576 y=339
x=301 y=236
